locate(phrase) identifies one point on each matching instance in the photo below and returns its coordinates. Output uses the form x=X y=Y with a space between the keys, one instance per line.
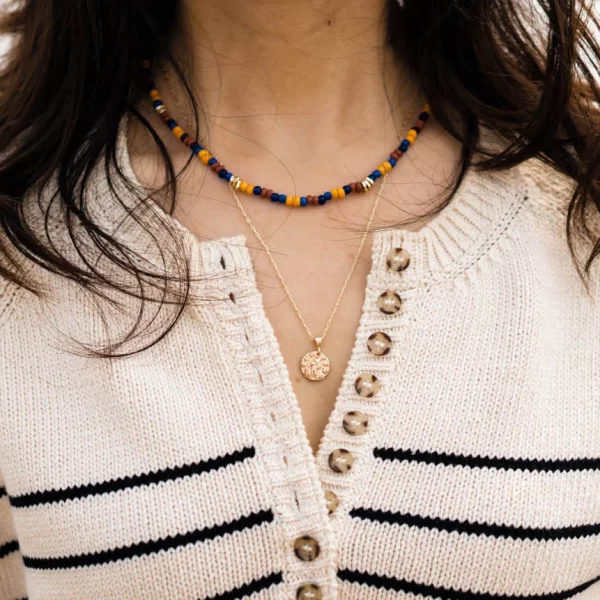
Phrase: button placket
x=309 y=566
x=356 y=415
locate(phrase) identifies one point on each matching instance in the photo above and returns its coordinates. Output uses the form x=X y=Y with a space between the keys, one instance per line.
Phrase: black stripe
x=9 y=548
x=257 y=585
x=411 y=587
x=114 y=485
x=483 y=462
x=2 y=491
x=152 y=547
x=474 y=528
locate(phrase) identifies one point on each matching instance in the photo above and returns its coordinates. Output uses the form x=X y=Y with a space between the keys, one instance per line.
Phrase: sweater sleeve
x=12 y=571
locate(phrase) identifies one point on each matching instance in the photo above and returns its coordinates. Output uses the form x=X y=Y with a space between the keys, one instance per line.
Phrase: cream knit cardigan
x=184 y=471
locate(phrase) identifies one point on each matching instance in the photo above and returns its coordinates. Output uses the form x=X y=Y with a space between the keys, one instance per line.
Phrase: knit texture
x=184 y=471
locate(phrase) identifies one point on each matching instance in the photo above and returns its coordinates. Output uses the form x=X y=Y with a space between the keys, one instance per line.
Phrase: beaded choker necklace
x=241 y=185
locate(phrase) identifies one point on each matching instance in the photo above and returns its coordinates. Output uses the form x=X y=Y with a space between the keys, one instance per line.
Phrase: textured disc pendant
x=315 y=365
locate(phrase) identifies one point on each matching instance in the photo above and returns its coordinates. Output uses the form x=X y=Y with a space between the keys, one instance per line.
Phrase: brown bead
x=421 y=124
x=216 y=167
x=397 y=155
x=314 y=200
x=189 y=141
x=263 y=192
x=269 y=194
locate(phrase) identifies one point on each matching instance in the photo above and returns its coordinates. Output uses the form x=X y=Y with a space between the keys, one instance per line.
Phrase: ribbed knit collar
x=478 y=214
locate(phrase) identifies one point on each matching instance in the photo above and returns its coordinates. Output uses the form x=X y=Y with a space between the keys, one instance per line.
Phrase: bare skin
x=299 y=97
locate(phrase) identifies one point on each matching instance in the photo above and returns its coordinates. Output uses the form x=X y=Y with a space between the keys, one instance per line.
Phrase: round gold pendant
x=315 y=365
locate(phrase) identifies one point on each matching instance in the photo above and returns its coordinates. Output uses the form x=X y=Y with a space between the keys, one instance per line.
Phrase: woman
x=226 y=383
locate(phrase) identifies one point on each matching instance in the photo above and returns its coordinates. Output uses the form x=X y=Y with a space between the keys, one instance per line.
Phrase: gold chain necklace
x=315 y=365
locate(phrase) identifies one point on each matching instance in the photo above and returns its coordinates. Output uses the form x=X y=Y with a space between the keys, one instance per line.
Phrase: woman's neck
x=317 y=72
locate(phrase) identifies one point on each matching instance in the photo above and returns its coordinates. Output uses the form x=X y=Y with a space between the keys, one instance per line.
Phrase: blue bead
x=229 y=176
x=171 y=124
x=327 y=196
x=212 y=161
x=348 y=189
x=157 y=103
x=375 y=174
x=392 y=161
x=303 y=201
x=275 y=198
x=257 y=189
x=404 y=146
x=424 y=116
x=282 y=198
x=195 y=147
x=223 y=173
x=322 y=199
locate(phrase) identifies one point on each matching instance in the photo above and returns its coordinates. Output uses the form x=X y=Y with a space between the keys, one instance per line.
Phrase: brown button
x=355 y=422
x=341 y=461
x=306 y=548
x=389 y=303
x=332 y=501
x=397 y=259
x=309 y=591
x=379 y=343
x=367 y=385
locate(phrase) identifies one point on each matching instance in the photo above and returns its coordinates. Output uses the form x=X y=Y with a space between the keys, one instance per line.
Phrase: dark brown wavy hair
x=526 y=69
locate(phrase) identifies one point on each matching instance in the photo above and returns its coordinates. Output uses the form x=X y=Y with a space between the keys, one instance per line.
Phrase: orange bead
x=334 y=194
x=250 y=190
x=177 y=131
x=243 y=186
x=388 y=166
x=155 y=95
x=341 y=193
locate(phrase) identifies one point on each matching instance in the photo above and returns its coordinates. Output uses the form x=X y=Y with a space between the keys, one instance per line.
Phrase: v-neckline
x=445 y=246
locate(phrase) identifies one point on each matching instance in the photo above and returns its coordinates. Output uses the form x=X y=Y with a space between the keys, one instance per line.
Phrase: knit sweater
x=463 y=464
